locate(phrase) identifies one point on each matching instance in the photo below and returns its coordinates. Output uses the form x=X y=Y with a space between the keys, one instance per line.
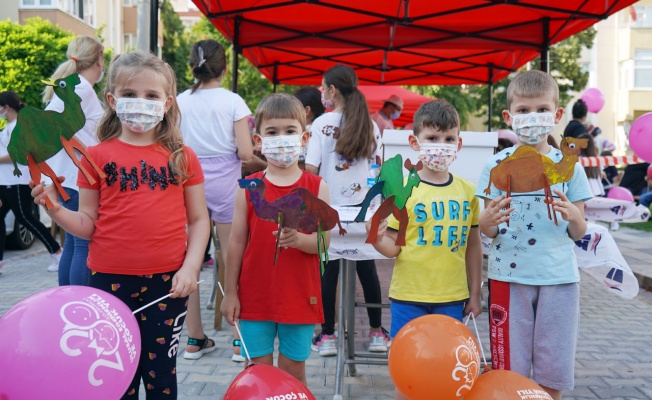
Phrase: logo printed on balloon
x=533 y=394
x=289 y=396
x=467 y=368
x=103 y=328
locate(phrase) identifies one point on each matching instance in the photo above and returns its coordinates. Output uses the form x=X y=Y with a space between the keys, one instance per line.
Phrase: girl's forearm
x=74 y=222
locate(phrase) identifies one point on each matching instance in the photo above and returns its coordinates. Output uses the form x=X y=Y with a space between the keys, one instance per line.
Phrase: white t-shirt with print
x=61 y=164
x=7 y=177
x=346 y=179
x=207 y=119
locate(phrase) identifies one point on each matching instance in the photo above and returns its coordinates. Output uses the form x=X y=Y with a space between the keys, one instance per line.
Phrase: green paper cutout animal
x=395 y=193
x=40 y=134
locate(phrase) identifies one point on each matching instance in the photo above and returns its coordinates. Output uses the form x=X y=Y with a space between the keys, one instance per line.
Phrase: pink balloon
x=260 y=381
x=507 y=134
x=620 y=193
x=640 y=137
x=649 y=172
x=68 y=342
x=594 y=99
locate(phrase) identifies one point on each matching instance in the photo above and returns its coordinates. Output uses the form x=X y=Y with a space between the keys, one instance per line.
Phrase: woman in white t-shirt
x=214 y=124
x=15 y=193
x=86 y=58
x=343 y=145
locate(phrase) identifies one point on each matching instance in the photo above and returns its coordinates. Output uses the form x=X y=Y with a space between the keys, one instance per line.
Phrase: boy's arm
x=474 y=272
x=385 y=244
x=235 y=251
x=185 y=280
x=573 y=213
x=306 y=242
x=493 y=215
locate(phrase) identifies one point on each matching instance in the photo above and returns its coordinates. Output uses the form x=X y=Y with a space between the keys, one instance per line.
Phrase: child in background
x=215 y=125
x=533 y=275
x=284 y=299
x=147 y=219
x=310 y=97
x=439 y=273
x=593 y=174
x=343 y=145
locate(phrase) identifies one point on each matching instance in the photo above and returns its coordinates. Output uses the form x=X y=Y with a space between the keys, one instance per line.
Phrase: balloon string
x=477 y=334
x=157 y=300
x=237 y=328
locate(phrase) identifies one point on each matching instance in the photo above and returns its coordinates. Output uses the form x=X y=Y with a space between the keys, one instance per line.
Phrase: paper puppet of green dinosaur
x=40 y=134
x=395 y=193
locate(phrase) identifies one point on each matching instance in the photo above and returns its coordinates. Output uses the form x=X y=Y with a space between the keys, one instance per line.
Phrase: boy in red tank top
x=284 y=298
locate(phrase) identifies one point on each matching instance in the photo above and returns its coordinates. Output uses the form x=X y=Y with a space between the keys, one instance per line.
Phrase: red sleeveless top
x=290 y=291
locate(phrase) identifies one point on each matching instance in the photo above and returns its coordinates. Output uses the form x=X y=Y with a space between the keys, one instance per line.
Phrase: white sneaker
x=378 y=341
x=614 y=226
x=54 y=267
x=326 y=345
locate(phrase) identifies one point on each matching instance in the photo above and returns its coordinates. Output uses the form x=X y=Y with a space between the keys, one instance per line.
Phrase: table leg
x=339 y=371
x=350 y=281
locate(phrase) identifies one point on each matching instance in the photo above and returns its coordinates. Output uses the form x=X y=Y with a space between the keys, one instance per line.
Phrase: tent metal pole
x=275 y=77
x=236 y=53
x=490 y=94
x=153 y=27
x=545 y=49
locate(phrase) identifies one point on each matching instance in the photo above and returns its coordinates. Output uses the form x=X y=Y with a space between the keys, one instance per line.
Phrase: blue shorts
x=402 y=313
x=294 y=339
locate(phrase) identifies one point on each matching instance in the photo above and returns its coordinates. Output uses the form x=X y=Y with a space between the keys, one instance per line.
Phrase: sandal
x=237 y=357
x=205 y=345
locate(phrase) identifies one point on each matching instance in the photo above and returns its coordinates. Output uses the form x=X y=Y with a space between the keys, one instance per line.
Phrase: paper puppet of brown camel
x=527 y=170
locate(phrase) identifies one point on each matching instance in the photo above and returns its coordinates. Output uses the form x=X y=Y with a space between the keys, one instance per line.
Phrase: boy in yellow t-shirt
x=439 y=270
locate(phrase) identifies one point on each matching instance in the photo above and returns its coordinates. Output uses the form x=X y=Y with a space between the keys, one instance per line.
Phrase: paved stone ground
x=614 y=357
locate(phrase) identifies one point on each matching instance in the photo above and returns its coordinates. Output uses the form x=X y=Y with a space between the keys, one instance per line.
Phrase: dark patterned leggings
x=160 y=329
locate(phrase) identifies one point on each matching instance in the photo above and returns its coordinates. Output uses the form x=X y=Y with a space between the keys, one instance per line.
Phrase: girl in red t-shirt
x=136 y=216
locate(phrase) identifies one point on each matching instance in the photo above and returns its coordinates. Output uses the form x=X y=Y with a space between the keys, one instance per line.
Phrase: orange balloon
x=434 y=357
x=506 y=385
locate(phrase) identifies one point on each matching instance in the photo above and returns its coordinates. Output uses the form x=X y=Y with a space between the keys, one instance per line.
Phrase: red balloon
x=506 y=385
x=260 y=381
x=434 y=357
x=620 y=193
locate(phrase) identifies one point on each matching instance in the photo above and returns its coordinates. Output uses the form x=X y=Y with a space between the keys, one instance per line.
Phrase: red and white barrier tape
x=605 y=161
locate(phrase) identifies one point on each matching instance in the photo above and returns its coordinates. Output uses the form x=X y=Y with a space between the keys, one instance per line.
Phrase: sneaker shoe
x=54 y=267
x=237 y=358
x=326 y=345
x=378 y=341
x=614 y=226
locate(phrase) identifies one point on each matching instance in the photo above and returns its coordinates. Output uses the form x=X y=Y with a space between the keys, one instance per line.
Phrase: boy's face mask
x=437 y=156
x=139 y=115
x=533 y=128
x=283 y=150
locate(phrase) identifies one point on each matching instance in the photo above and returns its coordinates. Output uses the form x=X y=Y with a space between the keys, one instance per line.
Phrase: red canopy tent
x=377 y=94
x=417 y=42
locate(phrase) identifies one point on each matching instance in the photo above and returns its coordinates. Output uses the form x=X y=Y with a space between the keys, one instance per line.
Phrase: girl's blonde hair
x=123 y=67
x=83 y=52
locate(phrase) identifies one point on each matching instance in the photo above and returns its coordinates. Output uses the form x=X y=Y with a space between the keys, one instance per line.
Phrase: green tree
x=459 y=96
x=176 y=47
x=28 y=54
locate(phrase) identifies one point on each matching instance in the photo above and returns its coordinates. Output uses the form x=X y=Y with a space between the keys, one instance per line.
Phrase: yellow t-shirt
x=431 y=267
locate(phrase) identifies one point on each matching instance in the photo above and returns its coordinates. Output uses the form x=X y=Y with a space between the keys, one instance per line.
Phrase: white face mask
x=437 y=156
x=533 y=128
x=283 y=150
x=139 y=115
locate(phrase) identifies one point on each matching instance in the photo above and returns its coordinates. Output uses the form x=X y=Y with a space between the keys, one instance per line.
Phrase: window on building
x=130 y=42
x=643 y=17
x=129 y=3
x=37 y=3
x=642 y=69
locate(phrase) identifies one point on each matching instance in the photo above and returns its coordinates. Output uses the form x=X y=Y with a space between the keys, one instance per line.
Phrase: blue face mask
x=395 y=115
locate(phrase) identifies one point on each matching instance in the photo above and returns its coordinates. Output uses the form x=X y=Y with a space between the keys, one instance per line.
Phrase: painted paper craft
x=40 y=134
x=395 y=194
x=527 y=170
x=299 y=209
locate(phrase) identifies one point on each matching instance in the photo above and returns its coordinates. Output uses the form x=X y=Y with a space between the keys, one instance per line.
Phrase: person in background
x=215 y=125
x=310 y=97
x=391 y=110
x=598 y=137
x=343 y=145
x=593 y=174
x=85 y=56
x=577 y=125
x=14 y=190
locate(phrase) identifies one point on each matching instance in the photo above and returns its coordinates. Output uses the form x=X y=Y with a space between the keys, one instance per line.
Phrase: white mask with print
x=283 y=150
x=437 y=156
x=139 y=115
x=533 y=128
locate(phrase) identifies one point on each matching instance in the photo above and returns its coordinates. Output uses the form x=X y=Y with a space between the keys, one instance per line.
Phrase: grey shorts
x=534 y=331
